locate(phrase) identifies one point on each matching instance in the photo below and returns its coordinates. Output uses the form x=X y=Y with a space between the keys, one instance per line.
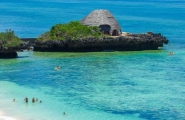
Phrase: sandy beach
x=3 y=117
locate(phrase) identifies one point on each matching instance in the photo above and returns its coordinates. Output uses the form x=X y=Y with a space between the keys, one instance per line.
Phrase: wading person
x=26 y=99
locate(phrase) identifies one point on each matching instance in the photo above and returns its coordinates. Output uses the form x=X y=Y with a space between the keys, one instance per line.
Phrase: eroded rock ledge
x=126 y=42
x=8 y=54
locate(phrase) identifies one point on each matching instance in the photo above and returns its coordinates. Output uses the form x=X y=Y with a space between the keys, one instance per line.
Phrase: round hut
x=104 y=20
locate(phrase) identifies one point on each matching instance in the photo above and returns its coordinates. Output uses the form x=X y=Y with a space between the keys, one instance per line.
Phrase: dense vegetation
x=8 y=39
x=72 y=31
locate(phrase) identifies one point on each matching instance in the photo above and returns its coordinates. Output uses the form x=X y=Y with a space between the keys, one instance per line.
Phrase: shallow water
x=140 y=85
x=107 y=85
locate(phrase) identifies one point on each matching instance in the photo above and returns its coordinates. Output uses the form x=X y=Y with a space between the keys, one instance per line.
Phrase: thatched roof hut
x=104 y=20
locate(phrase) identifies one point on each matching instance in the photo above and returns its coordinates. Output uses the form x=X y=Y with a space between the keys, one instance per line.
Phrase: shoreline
x=3 y=117
x=6 y=118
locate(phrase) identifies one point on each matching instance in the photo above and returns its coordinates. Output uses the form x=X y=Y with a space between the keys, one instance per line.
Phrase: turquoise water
x=116 y=85
x=140 y=85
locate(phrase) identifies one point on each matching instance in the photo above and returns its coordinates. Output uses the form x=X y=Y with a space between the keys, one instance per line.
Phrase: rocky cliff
x=125 y=42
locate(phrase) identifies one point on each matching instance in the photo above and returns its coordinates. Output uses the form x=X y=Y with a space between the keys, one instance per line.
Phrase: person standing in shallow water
x=33 y=100
x=26 y=99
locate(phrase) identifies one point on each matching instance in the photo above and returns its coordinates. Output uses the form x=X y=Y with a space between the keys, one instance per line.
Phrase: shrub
x=72 y=31
x=8 y=39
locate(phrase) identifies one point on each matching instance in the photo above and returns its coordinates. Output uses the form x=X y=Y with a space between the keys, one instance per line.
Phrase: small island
x=8 y=43
x=98 y=31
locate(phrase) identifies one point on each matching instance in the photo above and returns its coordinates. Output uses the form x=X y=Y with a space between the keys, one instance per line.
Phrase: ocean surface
x=128 y=85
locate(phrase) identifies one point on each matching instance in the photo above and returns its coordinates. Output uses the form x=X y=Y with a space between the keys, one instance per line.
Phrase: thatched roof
x=102 y=17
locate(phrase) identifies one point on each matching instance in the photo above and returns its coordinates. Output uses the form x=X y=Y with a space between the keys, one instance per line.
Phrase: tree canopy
x=72 y=31
x=9 y=39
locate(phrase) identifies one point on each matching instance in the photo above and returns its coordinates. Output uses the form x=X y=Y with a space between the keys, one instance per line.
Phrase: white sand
x=5 y=117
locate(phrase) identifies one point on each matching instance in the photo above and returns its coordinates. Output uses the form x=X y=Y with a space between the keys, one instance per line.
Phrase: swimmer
x=170 y=53
x=64 y=113
x=13 y=100
x=40 y=101
x=57 y=68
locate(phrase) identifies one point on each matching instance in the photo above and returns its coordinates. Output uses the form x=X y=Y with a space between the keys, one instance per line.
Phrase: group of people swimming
x=33 y=100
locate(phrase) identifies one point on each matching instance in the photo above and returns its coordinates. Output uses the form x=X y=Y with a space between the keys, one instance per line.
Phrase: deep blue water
x=30 y=18
x=143 y=85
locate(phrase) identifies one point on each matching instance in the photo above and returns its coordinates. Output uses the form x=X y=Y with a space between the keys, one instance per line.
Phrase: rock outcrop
x=8 y=54
x=128 y=42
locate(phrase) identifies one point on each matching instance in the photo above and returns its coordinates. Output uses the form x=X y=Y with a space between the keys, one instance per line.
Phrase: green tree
x=9 y=39
x=72 y=31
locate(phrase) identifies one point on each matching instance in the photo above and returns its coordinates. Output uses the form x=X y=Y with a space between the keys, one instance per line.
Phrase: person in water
x=170 y=53
x=57 y=68
x=26 y=99
x=33 y=100
x=13 y=100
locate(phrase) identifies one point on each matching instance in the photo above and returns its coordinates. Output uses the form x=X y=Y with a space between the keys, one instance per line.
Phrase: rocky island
x=98 y=31
x=8 y=41
x=129 y=42
x=106 y=36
